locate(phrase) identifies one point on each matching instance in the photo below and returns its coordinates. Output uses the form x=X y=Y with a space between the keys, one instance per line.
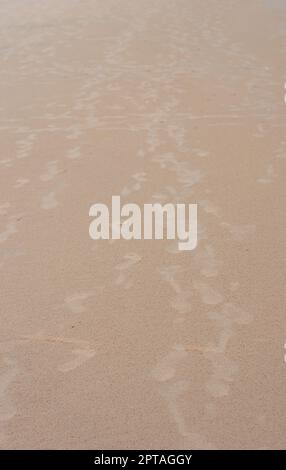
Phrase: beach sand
x=134 y=344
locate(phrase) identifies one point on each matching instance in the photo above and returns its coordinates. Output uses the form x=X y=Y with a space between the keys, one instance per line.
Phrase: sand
x=134 y=344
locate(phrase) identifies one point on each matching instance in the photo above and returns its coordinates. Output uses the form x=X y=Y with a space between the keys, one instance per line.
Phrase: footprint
x=9 y=255
x=182 y=303
x=10 y=370
x=49 y=201
x=141 y=153
x=269 y=177
x=4 y=208
x=82 y=355
x=6 y=162
x=74 y=133
x=200 y=152
x=55 y=339
x=139 y=179
x=168 y=274
x=82 y=351
x=231 y=313
x=130 y=260
x=25 y=146
x=188 y=178
x=74 y=153
x=207 y=261
x=173 y=394
x=8 y=232
x=208 y=295
x=21 y=182
x=224 y=371
x=166 y=368
x=75 y=302
x=240 y=233
x=209 y=207
x=165 y=160
x=52 y=171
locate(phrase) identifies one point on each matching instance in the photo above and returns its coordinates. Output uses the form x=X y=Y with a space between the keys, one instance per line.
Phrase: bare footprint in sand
x=200 y=152
x=52 y=171
x=174 y=394
x=209 y=207
x=10 y=370
x=182 y=303
x=82 y=351
x=208 y=295
x=75 y=302
x=82 y=355
x=208 y=264
x=139 y=179
x=8 y=232
x=25 y=146
x=8 y=162
x=240 y=233
x=224 y=371
x=269 y=177
x=124 y=268
x=166 y=368
x=74 y=153
x=230 y=313
x=21 y=182
x=49 y=201
x=4 y=207
x=9 y=255
x=169 y=274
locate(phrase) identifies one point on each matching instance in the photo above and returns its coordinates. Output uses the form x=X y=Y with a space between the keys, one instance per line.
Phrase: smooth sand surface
x=133 y=344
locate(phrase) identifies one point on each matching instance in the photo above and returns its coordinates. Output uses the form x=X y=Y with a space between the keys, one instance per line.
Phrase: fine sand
x=134 y=344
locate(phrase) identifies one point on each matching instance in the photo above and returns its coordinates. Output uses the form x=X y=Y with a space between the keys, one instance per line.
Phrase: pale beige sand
x=134 y=344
